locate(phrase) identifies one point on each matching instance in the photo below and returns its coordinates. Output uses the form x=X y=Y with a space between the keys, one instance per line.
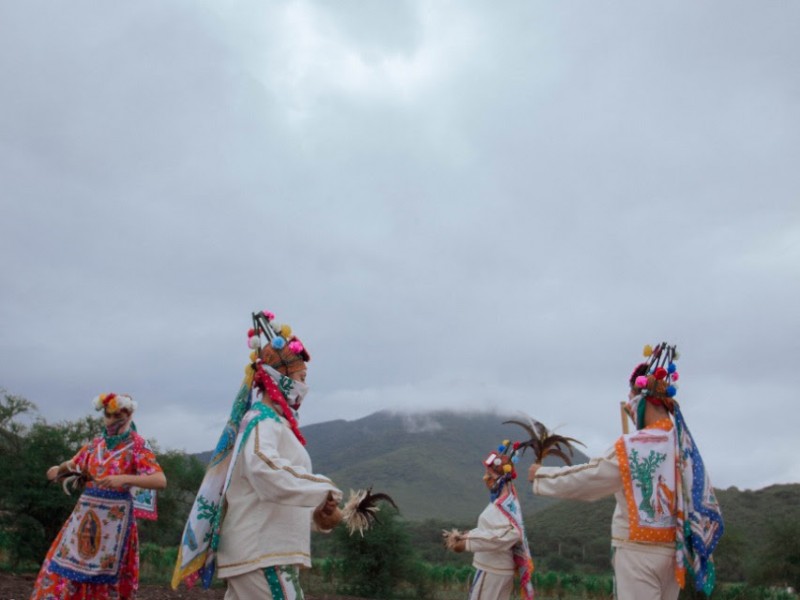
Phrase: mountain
x=430 y=463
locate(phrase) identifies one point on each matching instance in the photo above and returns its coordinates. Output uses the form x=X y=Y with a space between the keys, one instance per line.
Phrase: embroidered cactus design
x=207 y=510
x=293 y=576
x=642 y=474
x=286 y=385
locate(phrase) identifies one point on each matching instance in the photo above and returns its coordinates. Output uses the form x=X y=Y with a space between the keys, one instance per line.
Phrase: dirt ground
x=19 y=587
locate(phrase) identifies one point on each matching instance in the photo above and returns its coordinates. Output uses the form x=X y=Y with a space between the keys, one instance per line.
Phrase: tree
x=780 y=564
x=32 y=510
x=374 y=565
x=730 y=555
x=184 y=474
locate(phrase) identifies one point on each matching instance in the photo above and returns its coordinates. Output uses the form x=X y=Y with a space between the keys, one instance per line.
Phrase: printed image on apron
x=95 y=537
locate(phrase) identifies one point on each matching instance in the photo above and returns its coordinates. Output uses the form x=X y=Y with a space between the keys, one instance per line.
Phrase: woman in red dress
x=95 y=556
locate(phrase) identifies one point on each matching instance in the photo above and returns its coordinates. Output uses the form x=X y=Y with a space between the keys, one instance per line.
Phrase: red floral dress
x=129 y=457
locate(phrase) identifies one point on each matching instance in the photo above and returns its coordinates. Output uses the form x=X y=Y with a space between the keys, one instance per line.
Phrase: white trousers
x=273 y=583
x=644 y=575
x=489 y=586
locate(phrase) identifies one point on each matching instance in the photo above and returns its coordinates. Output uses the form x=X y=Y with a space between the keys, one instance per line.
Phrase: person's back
x=654 y=474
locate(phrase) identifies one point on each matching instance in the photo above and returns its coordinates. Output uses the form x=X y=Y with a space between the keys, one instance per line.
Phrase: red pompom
x=660 y=373
x=251 y=332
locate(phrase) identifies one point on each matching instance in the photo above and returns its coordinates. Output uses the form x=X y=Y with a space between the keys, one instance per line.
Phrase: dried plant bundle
x=451 y=538
x=359 y=512
x=72 y=481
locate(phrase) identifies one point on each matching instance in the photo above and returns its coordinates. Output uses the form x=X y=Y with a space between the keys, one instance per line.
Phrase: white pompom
x=254 y=342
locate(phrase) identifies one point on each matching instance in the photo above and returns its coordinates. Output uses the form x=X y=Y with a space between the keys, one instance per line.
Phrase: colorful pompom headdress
x=278 y=363
x=273 y=344
x=504 y=459
x=113 y=403
x=657 y=377
x=654 y=382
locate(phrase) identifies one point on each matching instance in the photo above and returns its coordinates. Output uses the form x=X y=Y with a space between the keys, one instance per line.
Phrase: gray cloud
x=455 y=206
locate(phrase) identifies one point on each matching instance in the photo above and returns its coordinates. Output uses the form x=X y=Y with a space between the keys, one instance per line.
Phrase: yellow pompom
x=507 y=468
x=286 y=331
x=505 y=442
x=112 y=406
x=648 y=350
x=253 y=356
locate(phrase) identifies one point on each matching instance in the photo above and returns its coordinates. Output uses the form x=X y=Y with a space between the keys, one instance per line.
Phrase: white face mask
x=294 y=390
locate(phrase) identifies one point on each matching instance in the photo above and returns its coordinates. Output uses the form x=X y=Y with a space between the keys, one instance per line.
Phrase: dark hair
x=641 y=369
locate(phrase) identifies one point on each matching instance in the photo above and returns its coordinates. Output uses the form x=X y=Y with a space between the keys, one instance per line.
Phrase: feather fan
x=359 y=513
x=545 y=443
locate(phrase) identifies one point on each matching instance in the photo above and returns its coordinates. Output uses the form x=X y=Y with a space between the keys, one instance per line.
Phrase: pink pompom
x=268 y=314
x=641 y=381
x=674 y=376
x=296 y=346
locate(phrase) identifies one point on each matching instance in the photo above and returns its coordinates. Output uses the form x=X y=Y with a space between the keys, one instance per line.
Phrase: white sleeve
x=493 y=533
x=276 y=479
x=590 y=481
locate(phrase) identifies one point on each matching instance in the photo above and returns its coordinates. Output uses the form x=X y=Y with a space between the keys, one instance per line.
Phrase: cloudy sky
x=461 y=205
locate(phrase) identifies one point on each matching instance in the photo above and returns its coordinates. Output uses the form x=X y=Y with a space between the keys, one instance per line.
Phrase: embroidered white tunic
x=598 y=478
x=491 y=542
x=270 y=502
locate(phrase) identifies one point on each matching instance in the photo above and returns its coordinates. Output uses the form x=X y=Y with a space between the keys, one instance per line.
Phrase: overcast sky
x=454 y=204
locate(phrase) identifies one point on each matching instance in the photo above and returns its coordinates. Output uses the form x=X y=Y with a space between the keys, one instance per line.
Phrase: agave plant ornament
x=544 y=442
x=359 y=513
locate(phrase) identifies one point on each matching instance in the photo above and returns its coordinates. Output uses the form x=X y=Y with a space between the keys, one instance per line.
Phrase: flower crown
x=277 y=336
x=114 y=403
x=658 y=376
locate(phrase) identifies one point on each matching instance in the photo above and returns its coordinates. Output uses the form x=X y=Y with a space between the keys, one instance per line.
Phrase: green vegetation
x=374 y=565
x=403 y=557
x=32 y=510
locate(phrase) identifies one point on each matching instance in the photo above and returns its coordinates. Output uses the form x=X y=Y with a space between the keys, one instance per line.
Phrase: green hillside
x=429 y=463
x=577 y=534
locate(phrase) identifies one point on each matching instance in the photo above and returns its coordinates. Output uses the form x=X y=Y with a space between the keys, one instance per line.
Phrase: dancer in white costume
x=259 y=501
x=499 y=543
x=667 y=519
